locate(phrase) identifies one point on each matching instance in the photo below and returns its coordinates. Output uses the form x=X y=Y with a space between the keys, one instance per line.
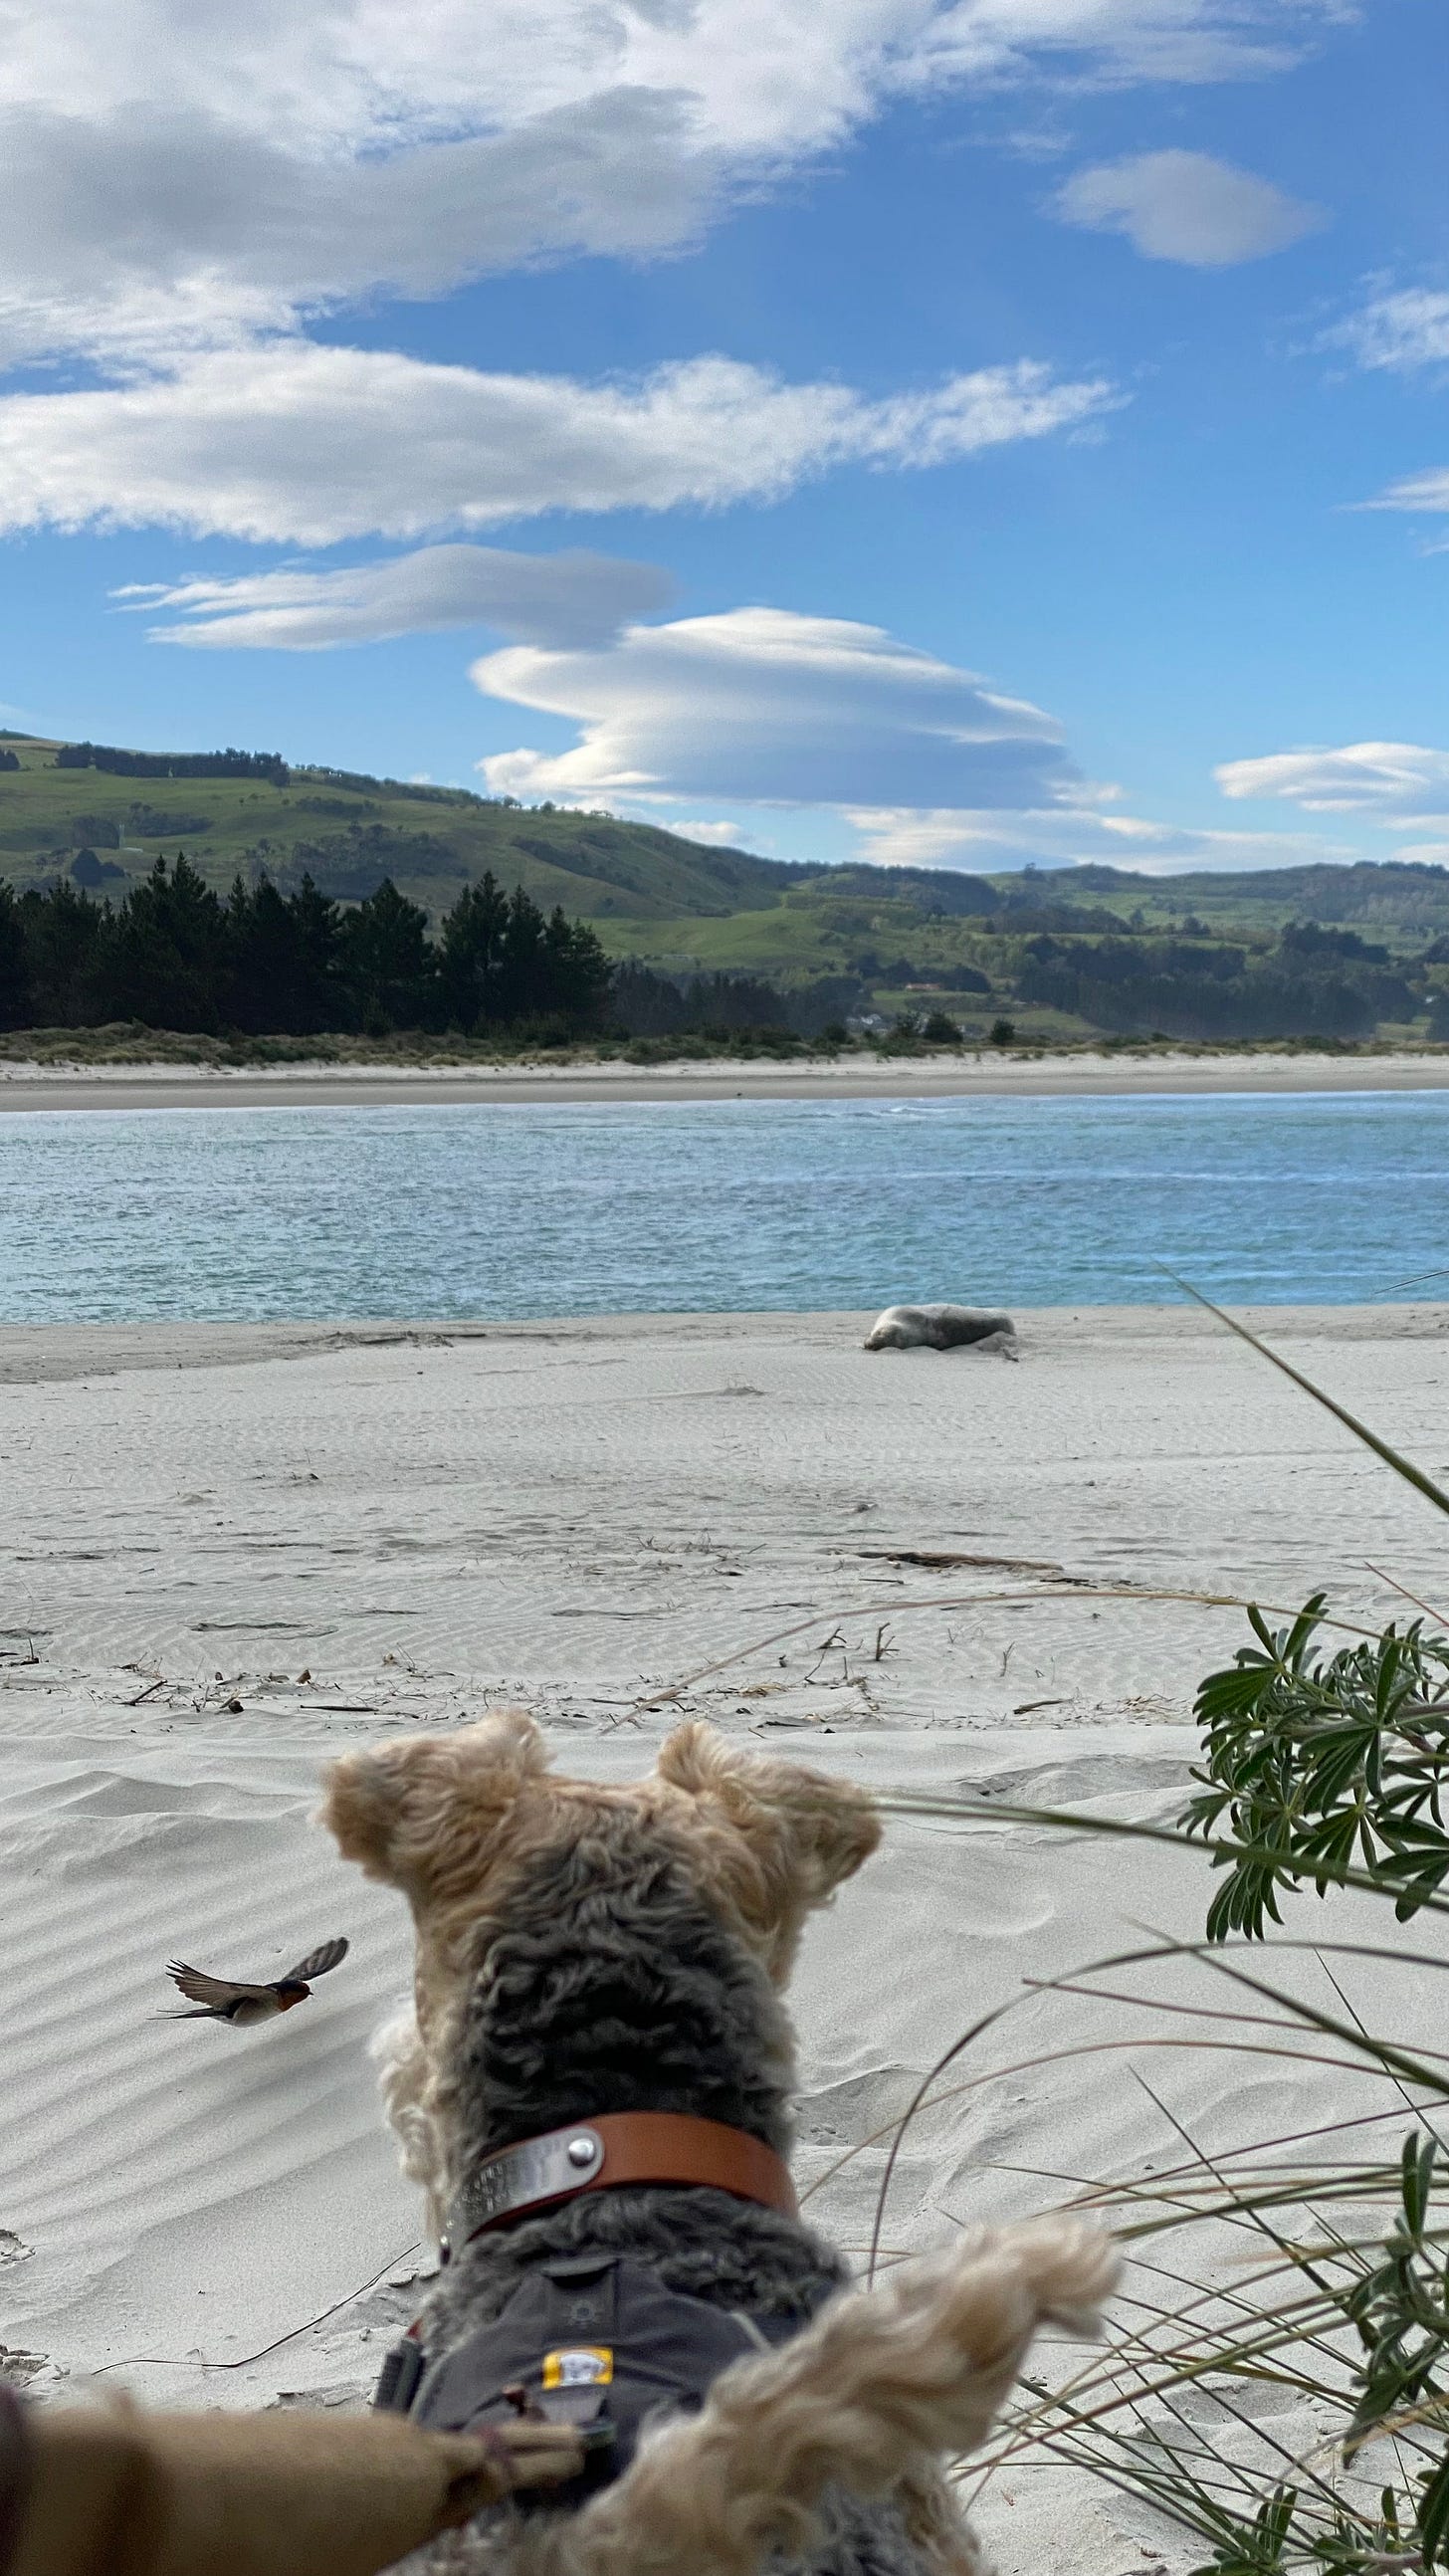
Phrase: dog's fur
x=582 y=1950
x=942 y=1328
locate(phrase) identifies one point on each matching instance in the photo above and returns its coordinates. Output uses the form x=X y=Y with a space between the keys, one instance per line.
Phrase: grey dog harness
x=591 y=2340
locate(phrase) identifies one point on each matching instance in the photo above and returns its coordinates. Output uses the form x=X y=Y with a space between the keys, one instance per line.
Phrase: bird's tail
x=200 y=2014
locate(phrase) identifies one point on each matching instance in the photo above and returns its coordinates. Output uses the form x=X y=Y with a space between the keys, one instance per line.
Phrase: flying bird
x=222 y=1999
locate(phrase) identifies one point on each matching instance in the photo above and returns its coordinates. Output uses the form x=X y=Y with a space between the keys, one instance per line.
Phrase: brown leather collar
x=604 y=2154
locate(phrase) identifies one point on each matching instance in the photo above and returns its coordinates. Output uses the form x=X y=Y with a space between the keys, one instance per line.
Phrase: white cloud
x=1112 y=41
x=1186 y=206
x=306 y=445
x=245 y=236
x=715 y=836
x=1428 y=491
x=1400 y=331
x=1078 y=835
x=170 y=174
x=924 y=762
x=1396 y=783
x=776 y=708
x=575 y=598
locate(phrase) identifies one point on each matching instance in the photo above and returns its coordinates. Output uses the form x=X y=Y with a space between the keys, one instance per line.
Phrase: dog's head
x=449 y=1819
x=454 y=1820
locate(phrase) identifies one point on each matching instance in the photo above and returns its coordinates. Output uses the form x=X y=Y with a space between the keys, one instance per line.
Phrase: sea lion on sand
x=942 y=1328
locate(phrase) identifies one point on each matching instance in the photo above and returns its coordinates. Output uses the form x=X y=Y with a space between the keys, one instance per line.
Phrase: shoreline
x=53 y=1354
x=31 y=1086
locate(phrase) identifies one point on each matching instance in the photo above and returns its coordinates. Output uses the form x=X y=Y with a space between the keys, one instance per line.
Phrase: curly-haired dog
x=587 y=1955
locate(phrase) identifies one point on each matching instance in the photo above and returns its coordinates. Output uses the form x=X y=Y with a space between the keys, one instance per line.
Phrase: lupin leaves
x=1320 y=1761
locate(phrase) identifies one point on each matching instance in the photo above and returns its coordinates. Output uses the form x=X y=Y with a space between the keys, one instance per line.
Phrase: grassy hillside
x=1065 y=953
x=349 y=832
x=980 y=949
x=1385 y=899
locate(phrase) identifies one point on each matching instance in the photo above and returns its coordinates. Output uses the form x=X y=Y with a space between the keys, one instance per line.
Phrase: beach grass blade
x=1371 y=1439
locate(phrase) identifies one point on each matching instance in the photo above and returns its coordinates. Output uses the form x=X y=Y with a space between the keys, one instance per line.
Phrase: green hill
x=1065 y=953
x=348 y=832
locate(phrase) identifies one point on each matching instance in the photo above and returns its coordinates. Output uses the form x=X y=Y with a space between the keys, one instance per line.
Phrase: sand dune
x=224 y=1553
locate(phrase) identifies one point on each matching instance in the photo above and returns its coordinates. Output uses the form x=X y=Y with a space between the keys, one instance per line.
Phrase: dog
x=587 y=1955
x=942 y=1328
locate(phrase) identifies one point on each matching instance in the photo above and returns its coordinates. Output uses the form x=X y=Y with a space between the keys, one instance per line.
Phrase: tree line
x=643 y=1004
x=295 y=961
x=172 y=764
x=1313 y=983
x=175 y=955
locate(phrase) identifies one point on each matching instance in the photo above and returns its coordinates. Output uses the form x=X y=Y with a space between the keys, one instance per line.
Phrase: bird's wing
x=316 y=1964
x=216 y=1993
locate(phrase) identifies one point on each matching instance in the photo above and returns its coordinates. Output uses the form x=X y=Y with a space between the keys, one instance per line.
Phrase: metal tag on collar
x=537 y=2170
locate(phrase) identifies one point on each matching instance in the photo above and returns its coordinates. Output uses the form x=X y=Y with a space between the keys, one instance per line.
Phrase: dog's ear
x=779 y=1838
x=426 y=1814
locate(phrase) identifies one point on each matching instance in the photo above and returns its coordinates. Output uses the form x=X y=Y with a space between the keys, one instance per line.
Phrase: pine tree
x=282 y=955
x=388 y=962
x=14 y=973
x=523 y=977
x=471 y=955
x=63 y=935
x=259 y=957
x=164 y=954
x=317 y=928
x=579 y=973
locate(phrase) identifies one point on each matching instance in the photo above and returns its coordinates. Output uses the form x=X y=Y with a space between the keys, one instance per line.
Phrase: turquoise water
x=514 y=1211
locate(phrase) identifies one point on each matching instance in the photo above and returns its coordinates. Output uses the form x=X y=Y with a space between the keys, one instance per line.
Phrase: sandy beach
x=994 y=1074
x=227 y=1551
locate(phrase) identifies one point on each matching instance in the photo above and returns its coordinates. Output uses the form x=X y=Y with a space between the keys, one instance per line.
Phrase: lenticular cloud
x=776 y=708
x=569 y=598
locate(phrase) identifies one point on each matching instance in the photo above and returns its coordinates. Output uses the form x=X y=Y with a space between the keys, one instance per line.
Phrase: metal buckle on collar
x=522 y=2177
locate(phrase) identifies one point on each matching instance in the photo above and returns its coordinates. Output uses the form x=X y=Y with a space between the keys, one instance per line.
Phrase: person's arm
x=14 y=2474
x=94 y=2491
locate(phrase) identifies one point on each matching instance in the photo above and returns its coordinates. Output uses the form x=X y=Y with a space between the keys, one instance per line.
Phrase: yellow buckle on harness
x=588 y=2365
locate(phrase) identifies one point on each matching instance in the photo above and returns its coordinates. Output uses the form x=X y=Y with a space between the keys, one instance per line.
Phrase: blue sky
x=960 y=431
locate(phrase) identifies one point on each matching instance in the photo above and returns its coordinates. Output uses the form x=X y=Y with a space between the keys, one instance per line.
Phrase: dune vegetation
x=1274 y=2385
